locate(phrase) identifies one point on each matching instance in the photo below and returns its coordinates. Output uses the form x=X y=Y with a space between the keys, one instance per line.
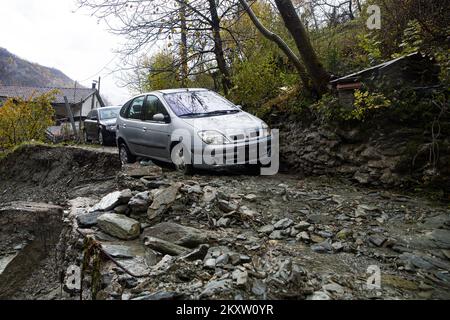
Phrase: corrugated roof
x=353 y=76
x=73 y=95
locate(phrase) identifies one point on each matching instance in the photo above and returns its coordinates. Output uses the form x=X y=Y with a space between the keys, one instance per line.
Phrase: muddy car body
x=191 y=128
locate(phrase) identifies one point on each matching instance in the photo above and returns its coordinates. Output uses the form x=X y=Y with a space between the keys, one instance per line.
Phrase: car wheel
x=85 y=136
x=101 y=140
x=179 y=159
x=125 y=155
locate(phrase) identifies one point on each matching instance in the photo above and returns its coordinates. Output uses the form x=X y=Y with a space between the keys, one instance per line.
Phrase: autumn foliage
x=23 y=120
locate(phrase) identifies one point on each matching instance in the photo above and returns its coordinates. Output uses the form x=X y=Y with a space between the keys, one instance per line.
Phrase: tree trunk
x=319 y=76
x=280 y=43
x=183 y=49
x=218 y=47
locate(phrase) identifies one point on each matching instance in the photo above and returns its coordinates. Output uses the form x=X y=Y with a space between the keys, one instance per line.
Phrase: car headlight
x=265 y=131
x=213 y=137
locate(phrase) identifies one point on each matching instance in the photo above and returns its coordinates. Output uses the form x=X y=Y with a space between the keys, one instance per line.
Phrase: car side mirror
x=239 y=106
x=159 y=117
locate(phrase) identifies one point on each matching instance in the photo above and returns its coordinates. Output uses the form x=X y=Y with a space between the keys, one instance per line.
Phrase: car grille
x=247 y=136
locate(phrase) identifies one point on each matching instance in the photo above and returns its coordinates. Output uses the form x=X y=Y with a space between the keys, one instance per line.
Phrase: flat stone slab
x=181 y=235
x=119 y=226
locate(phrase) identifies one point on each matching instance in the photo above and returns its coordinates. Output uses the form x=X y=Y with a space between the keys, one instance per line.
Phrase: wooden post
x=70 y=114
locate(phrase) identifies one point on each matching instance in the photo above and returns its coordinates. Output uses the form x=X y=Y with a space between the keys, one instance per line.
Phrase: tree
x=24 y=120
x=319 y=76
x=279 y=42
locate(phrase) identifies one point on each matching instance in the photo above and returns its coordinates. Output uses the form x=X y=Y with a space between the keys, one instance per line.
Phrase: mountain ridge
x=15 y=71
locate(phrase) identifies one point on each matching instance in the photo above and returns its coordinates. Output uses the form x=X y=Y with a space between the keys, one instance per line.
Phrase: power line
x=101 y=70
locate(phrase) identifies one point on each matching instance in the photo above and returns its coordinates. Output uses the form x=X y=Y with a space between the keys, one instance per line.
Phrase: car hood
x=108 y=122
x=223 y=123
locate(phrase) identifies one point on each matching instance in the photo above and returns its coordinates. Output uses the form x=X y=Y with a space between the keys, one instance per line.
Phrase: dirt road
x=277 y=237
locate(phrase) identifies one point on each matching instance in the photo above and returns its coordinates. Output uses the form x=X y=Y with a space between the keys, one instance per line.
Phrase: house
x=81 y=100
x=414 y=71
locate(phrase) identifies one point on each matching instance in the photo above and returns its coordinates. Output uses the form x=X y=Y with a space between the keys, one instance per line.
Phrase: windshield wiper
x=220 y=112
x=193 y=114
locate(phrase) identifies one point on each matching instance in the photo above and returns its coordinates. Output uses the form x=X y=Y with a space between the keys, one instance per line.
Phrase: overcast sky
x=50 y=33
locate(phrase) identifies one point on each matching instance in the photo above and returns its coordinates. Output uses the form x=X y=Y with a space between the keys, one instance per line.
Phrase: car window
x=89 y=115
x=153 y=106
x=198 y=102
x=94 y=115
x=109 y=113
x=135 y=110
x=123 y=111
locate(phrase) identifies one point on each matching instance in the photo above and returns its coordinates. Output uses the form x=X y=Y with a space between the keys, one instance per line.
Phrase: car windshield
x=110 y=113
x=198 y=104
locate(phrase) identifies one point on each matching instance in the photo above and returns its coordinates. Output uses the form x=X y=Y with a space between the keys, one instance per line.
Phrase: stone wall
x=387 y=156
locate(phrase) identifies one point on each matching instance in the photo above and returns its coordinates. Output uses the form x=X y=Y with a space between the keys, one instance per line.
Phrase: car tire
x=101 y=139
x=179 y=160
x=125 y=156
x=85 y=137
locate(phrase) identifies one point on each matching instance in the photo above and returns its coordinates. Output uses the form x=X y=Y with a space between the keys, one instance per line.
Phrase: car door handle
x=124 y=125
x=145 y=129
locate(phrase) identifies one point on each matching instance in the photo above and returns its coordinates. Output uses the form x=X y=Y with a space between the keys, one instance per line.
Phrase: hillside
x=17 y=71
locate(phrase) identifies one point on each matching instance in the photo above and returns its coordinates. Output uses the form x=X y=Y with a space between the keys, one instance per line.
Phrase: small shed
x=415 y=71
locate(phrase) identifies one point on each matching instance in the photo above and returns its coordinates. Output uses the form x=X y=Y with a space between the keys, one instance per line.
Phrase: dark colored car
x=100 y=125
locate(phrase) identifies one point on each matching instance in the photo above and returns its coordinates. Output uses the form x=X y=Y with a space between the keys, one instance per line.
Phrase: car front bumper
x=257 y=151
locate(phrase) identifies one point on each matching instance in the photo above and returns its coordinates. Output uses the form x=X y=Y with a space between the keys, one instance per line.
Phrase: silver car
x=191 y=128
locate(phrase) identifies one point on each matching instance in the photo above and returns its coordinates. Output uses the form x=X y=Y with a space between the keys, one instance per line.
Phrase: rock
x=319 y=219
x=283 y=224
x=235 y=258
x=223 y=222
x=216 y=286
x=344 y=234
x=119 y=226
x=333 y=288
x=319 y=295
x=302 y=226
x=145 y=171
x=228 y=206
x=209 y=194
x=112 y=200
x=140 y=202
x=240 y=276
x=325 y=234
x=362 y=178
x=164 y=247
x=118 y=251
x=162 y=201
x=337 y=246
x=317 y=239
x=181 y=235
x=210 y=263
x=412 y=261
x=128 y=281
x=222 y=260
x=122 y=209
x=246 y=212
x=303 y=236
x=89 y=219
x=276 y=235
x=267 y=229
x=197 y=254
x=377 y=240
x=440 y=237
x=259 y=288
x=251 y=197
x=324 y=247
x=195 y=189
